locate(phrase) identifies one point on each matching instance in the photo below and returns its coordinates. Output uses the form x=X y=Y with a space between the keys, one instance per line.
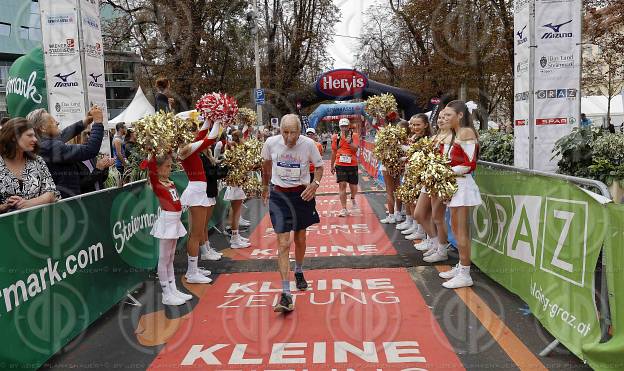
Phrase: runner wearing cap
x=311 y=133
x=344 y=162
x=286 y=160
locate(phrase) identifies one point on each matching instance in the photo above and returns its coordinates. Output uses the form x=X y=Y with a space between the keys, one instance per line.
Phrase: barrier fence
x=63 y=265
x=540 y=236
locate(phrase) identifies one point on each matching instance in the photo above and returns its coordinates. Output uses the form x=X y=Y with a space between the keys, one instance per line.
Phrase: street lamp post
x=252 y=16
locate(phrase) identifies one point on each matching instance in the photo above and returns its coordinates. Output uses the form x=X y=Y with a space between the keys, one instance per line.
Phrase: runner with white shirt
x=290 y=195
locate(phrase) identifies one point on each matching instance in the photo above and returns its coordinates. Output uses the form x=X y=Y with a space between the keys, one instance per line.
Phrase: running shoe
x=172 y=299
x=450 y=273
x=197 y=278
x=388 y=220
x=423 y=245
x=237 y=243
x=302 y=284
x=441 y=254
x=243 y=222
x=285 y=304
x=203 y=271
x=210 y=254
x=180 y=294
x=462 y=279
x=406 y=225
x=354 y=204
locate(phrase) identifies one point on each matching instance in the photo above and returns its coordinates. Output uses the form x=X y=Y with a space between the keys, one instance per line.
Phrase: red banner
x=368 y=159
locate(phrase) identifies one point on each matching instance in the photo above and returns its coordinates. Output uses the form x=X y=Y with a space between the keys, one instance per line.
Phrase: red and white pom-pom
x=217 y=107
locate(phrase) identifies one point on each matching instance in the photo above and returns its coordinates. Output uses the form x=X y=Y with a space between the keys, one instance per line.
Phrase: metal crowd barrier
x=605 y=311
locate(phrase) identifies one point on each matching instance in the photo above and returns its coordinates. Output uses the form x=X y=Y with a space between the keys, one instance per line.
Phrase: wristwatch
x=317 y=182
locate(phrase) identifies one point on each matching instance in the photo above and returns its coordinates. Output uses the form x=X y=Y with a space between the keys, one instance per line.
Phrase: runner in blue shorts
x=290 y=195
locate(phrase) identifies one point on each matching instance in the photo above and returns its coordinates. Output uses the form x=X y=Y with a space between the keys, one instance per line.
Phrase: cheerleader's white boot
x=461 y=279
x=169 y=298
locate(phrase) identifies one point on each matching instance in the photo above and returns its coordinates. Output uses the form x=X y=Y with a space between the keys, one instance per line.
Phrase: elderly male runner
x=287 y=158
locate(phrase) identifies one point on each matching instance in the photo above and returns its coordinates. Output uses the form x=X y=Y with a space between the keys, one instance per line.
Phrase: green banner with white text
x=63 y=265
x=541 y=238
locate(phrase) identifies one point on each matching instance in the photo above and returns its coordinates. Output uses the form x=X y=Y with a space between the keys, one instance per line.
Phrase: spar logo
x=93 y=81
x=521 y=36
x=552 y=121
x=555 y=31
x=27 y=89
x=341 y=84
x=64 y=80
x=55 y=20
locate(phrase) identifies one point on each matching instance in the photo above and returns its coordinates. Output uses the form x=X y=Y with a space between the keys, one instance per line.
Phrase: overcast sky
x=343 y=49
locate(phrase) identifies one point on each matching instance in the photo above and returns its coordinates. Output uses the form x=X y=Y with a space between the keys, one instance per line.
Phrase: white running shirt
x=291 y=166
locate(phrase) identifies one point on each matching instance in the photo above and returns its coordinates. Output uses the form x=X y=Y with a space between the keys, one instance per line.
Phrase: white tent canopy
x=138 y=108
x=597 y=105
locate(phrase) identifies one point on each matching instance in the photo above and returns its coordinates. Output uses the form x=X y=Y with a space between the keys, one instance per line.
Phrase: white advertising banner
x=547 y=78
x=93 y=54
x=522 y=78
x=557 y=75
x=59 y=28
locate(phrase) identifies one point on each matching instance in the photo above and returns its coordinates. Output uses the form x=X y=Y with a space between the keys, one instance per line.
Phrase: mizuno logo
x=64 y=83
x=521 y=33
x=95 y=78
x=557 y=27
x=64 y=77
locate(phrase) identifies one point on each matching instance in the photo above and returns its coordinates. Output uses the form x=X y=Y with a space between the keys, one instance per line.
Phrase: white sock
x=397 y=214
x=409 y=219
x=192 y=265
x=464 y=269
x=435 y=241
x=170 y=270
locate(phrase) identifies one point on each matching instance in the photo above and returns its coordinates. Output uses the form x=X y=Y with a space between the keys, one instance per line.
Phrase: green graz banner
x=540 y=238
x=63 y=265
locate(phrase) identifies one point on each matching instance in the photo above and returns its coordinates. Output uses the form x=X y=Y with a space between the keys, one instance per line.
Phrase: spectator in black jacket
x=163 y=102
x=62 y=159
x=94 y=171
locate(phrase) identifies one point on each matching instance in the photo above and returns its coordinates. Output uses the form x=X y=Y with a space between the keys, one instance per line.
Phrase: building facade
x=20 y=31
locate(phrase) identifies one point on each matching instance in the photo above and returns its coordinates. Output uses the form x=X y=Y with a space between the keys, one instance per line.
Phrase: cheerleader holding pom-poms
x=217 y=110
x=168 y=227
x=463 y=154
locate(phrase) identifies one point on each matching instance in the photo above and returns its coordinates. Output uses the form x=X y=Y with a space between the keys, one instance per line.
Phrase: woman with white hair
x=62 y=158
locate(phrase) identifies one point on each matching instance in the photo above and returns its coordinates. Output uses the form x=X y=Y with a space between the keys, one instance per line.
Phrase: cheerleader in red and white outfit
x=167 y=227
x=437 y=245
x=236 y=196
x=194 y=196
x=463 y=155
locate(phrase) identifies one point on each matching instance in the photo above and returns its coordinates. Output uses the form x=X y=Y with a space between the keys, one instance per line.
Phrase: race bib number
x=345 y=159
x=289 y=171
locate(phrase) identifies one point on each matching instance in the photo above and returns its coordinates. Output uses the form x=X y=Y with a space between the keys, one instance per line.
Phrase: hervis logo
x=556 y=31
x=64 y=80
x=341 y=84
x=133 y=213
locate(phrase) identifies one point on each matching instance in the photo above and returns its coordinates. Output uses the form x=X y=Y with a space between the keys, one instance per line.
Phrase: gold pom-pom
x=163 y=133
x=427 y=168
x=380 y=106
x=388 y=148
x=246 y=116
x=243 y=161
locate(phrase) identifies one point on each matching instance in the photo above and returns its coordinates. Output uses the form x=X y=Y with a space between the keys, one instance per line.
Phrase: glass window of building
x=34 y=6
x=23 y=33
x=5 y=29
x=34 y=34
